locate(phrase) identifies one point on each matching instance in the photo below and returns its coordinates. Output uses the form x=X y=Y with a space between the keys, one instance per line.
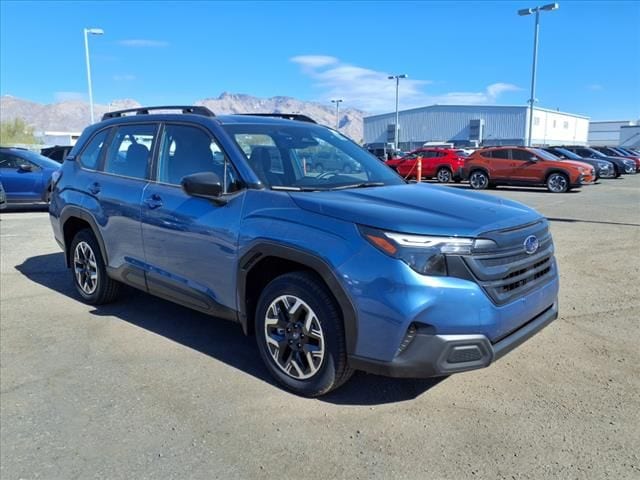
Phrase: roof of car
x=200 y=112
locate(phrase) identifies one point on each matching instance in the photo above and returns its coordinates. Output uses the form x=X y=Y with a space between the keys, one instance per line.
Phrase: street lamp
x=87 y=32
x=337 y=101
x=397 y=78
x=522 y=13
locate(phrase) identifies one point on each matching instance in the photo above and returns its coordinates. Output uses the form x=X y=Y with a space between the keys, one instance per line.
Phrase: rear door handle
x=94 y=188
x=154 y=201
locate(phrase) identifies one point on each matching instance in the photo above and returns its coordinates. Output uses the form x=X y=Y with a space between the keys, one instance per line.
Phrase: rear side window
x=503 y=154
x=91 y=154
x=522 y=155
x=130 y=151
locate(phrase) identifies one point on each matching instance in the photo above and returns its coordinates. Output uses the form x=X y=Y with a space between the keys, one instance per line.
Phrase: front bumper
x=431 y=355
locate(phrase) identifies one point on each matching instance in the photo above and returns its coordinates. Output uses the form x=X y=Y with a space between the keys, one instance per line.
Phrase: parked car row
x=558 y=168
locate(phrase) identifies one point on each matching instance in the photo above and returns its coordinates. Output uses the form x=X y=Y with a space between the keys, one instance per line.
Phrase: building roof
x=472 y=107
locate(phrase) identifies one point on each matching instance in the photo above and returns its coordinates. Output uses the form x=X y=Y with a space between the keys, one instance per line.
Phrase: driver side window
x=186 y=150
x=9 y=161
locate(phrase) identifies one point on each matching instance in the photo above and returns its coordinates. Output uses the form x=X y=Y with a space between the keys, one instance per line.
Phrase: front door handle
x=154 y=201
x=94 y=188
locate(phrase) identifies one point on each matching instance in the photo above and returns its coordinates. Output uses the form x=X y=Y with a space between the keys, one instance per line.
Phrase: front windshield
x=308 y=157
x=568 y=153
x=596 y=153
x=544 y=154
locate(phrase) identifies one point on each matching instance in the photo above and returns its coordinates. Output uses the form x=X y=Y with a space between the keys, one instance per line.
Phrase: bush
x=15 y=132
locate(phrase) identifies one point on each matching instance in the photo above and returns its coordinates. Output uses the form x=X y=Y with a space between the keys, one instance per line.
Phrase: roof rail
x=288 y=116
x=197 y=109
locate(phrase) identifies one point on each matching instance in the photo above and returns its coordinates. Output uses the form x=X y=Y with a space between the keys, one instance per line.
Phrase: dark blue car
x=331 y=271
x=25 y=175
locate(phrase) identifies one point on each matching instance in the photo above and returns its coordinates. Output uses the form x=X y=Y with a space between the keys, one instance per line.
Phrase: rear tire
x=444 y=175
x=300 y=335
x=89 y=273
x=478 y=180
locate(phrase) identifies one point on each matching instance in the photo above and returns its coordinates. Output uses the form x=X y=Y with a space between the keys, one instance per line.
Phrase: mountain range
x=74 y=116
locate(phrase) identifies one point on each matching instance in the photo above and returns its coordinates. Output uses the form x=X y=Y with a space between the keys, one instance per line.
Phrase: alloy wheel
x=557 y=183
x=444 y=175
x=85 y=268
x=294 y=337
x=478 y=180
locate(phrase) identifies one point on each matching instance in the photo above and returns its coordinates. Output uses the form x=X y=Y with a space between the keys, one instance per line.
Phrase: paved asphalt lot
x=147 y=389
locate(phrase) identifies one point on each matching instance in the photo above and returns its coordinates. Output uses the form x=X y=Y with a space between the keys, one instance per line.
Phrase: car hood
x=577 y=163
x=419 y=208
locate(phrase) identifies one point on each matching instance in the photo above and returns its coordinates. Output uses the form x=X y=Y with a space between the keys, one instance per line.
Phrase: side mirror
x=533 y=159
x=25 y=168
x=204 y=185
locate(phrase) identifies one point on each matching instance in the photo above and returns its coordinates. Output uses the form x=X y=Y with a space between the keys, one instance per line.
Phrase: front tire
x=478 y=180
x=300 y=335
x=558 y=183
x=89 y=273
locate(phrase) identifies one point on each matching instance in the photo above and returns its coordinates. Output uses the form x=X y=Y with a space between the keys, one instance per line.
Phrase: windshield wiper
x=287 y=188
x=359 y=185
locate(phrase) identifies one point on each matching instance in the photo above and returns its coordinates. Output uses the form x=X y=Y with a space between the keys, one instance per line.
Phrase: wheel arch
x=553 y=170
x=482 y=169
x=74 y=219
x=265 y=261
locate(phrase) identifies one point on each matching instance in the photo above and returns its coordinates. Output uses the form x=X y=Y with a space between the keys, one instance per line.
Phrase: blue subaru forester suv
x=331 y=271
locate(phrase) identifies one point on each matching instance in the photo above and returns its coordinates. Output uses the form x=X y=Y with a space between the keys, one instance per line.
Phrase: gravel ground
x=147 y=389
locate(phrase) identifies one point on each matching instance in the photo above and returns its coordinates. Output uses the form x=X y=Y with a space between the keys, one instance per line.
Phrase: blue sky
x=454 y=52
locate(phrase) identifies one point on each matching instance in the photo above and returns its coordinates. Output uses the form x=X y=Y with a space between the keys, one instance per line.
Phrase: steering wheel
x=326 y=175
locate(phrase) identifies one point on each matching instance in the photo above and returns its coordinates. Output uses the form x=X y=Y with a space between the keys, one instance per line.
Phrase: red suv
x=489 y=167
x=445 y=164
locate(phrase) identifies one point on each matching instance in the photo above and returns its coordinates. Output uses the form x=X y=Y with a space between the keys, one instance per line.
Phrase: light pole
x=532 y=99
x=87 y=32
x=397 y=78
x=337 y=101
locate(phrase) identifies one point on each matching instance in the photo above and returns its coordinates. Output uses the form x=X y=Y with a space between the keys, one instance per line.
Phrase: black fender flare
x=71 y=211
x=263 y=249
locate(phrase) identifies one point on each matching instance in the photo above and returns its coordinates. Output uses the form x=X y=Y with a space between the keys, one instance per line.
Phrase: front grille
x=508 y=272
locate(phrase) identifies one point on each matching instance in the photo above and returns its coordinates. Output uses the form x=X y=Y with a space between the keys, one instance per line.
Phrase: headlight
x=424 y=254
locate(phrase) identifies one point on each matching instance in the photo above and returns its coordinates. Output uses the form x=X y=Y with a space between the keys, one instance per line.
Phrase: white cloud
x=69 y=96
x=372 y=91
x=595 y=87
x=145 y=43
x=125 y=77
x=314 y=61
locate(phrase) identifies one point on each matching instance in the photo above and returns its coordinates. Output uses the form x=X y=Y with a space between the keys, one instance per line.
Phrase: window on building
x=566 y=125
x=554 y=124
x=536 y=120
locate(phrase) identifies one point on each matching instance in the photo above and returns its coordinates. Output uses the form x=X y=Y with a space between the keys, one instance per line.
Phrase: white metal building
x=58 y=138
x=476 y=124
x=608 y=132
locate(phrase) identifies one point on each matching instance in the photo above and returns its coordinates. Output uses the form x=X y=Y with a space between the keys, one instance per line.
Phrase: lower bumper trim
x=431 y=355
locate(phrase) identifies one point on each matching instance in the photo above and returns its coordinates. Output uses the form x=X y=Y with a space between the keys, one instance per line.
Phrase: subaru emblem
x=531 y=244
